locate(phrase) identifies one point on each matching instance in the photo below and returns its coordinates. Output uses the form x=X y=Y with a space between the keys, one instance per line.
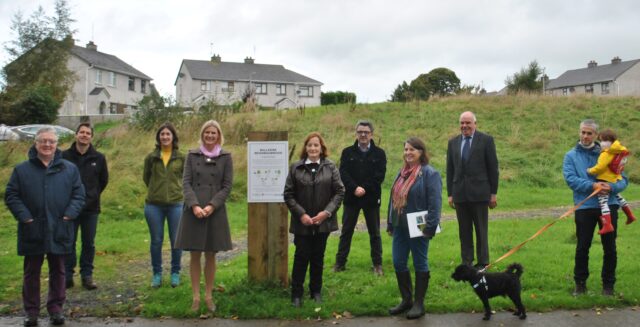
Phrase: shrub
x=337 y=97
x=36 y=106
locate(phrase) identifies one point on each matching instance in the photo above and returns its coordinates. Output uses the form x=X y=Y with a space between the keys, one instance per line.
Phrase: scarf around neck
x=213 y=153
x=408 y=176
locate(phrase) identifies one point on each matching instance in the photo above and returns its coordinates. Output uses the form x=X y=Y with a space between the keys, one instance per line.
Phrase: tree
x=37 y=106
x=420 y=88
x=402 y=93
x=39 y=55
x=527 y=80
x=442 y=81
x=45 y=65
x=439 y=81
x=38 y=27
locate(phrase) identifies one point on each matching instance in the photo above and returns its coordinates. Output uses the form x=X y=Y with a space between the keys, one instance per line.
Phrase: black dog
x=488 y=285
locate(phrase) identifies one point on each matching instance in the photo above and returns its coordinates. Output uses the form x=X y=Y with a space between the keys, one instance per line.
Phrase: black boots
x=404 y=284
x=422 y=284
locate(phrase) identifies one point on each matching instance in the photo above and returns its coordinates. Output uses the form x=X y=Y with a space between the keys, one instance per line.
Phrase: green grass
x=532 y=135
x=123 y=263
x=547 y=281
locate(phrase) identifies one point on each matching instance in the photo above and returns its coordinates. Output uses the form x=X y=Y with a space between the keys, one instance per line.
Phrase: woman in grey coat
x=313 y=193
x=204 y=227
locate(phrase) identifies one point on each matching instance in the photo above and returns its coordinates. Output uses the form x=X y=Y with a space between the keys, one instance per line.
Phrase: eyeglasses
x=47 y=142
x=363 y=132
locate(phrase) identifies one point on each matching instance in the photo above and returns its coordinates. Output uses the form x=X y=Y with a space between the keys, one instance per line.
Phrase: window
x=281 y=89
x=112 y=79
x=261 y=88
x=565 y=91
x=305 y=91
x=132 y=84
x=98 y=76
x=229 y=88
x=588 y=88
x=143 y=86
x=205 y=86
x=605 y=88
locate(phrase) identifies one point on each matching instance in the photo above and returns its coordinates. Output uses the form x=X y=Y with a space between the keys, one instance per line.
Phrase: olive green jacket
x=164 y=184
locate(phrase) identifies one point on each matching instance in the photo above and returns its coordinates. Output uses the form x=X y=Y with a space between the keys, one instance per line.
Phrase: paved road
x=578 y=318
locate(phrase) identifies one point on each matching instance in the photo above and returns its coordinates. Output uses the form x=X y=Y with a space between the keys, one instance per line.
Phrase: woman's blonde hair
x=215 y=124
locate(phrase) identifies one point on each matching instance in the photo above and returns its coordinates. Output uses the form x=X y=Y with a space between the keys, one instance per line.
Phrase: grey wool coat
x=205 y=181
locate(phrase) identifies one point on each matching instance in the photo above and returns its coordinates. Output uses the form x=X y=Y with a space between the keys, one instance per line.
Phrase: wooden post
x=268 y=242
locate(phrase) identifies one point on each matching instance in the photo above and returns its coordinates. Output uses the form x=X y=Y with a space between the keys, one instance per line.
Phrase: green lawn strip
x=547 y=280
x=122 y=267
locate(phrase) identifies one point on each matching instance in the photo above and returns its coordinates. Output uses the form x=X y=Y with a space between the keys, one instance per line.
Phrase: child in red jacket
x=609 y=169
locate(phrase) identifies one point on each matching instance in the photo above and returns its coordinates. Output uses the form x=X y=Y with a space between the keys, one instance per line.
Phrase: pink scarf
x=213 y=153
x=408 y=176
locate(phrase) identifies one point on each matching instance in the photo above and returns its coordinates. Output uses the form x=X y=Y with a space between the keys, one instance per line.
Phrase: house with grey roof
x=619 y=78
x=104 y=84
x=202 y=81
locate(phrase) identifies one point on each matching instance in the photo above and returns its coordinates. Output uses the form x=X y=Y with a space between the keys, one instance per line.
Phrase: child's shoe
x=607 y=227
x=627 y=211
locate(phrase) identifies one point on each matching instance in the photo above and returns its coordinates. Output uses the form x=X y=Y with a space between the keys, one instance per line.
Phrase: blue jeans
x=87 y=223
x=402 y=244
x=155 y=215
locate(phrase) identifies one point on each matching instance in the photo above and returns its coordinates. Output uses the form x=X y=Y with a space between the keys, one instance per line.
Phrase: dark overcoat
x=46 y=195
x=206 y=181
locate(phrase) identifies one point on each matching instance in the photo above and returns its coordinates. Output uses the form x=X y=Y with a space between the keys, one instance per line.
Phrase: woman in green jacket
x=163 y=176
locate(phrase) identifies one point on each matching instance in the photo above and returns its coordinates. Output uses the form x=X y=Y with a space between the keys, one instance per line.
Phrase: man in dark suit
x=472 y=186
x=362 y=169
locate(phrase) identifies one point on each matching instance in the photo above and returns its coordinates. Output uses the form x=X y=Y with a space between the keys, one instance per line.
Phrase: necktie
x=465 y=148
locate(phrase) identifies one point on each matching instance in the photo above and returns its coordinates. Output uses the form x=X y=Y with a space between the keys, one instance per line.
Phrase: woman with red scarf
x=416 y=188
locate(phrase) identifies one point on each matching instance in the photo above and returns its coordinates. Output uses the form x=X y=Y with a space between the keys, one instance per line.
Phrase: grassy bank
x=532 y=134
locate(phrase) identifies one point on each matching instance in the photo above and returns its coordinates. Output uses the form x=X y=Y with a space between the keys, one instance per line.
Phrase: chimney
x=216 y=59
x=92 y=46
x=248 y=60
x=592 y=64
x=616 y=60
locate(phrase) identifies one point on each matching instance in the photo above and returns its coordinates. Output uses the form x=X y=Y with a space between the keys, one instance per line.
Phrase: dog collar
x=481 y=282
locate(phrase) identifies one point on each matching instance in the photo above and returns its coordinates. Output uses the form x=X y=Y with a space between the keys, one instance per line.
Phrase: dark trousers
x=586 y=222
x=87 y=224
x=31 y=283
x=473 y=215
x=309 y=252
x=350 y=215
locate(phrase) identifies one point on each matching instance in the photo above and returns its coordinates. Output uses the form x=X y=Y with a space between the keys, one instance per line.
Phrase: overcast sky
x=366 y=47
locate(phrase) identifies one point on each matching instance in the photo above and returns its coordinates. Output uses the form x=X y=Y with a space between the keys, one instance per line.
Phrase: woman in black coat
x=313 y=192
